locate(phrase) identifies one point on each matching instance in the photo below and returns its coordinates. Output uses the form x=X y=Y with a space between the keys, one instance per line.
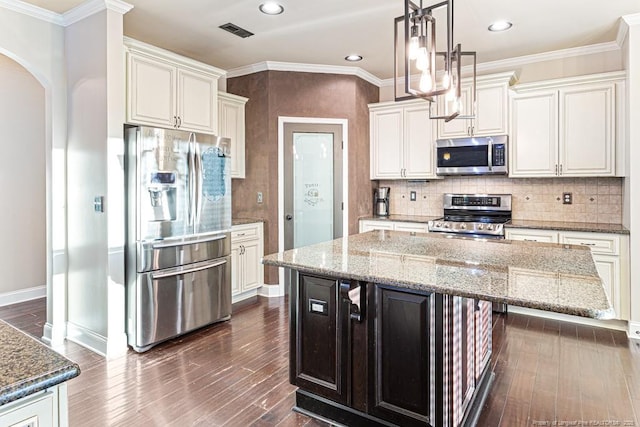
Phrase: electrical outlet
x=412 y=196
x=259 y=196
x=567 y=198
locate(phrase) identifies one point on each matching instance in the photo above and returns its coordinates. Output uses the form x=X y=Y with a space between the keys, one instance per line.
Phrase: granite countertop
x=545 y=276
x=404 y=218
x=595 y=227
x=28 y=366
x=241 y=221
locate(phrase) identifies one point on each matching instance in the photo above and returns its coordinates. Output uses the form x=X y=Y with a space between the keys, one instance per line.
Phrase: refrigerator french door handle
x=191 y=179
x=198 y=181
x=181 y=270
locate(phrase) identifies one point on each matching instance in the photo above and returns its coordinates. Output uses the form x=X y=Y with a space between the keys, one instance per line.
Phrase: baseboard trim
x=23 y=295
x=618 y=325
x=86 y=338
x=243 y=296
x=270 y=291
x=634 y=330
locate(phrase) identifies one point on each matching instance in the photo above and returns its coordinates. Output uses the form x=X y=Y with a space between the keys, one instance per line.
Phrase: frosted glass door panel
x=312 y=188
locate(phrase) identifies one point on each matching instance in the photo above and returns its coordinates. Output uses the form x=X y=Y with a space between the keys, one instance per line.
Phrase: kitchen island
x=32 y=381
x=394 y=328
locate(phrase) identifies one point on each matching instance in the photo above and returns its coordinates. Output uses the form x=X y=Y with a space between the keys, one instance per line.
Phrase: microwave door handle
x=490 y=145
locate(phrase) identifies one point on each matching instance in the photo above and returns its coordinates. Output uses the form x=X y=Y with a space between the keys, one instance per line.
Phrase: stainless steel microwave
x=472 y=156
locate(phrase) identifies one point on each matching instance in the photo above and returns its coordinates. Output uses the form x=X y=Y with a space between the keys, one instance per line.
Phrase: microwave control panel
x=499 y=155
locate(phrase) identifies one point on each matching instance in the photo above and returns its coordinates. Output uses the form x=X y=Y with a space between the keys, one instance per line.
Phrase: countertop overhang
x=545 y=276
x=28 y=366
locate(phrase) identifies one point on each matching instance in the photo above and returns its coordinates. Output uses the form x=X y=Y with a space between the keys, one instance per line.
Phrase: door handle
x=288 y=217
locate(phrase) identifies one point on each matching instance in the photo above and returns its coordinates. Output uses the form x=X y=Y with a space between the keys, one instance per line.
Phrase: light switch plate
x=259 y=196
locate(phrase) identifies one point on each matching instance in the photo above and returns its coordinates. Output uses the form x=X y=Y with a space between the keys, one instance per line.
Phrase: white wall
x=38 y=45
x=96 y=105
x=22 y=177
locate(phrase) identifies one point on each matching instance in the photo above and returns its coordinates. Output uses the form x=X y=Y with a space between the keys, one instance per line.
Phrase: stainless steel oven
x=472 y=156
x=477 y=216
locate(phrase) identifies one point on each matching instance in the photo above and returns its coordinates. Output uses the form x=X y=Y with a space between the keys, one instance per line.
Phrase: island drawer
x=606 y=244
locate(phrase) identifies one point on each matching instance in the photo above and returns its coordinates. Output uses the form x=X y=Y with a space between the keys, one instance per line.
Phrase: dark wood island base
x=365 y=354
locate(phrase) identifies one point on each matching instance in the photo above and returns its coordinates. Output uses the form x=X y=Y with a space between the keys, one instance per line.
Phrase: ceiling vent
x=234 y=29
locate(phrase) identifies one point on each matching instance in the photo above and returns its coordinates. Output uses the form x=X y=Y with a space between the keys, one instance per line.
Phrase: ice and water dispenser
x=162 y=195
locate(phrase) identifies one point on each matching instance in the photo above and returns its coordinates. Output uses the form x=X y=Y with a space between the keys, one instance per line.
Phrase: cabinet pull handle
x=175 y=121
x=240 y=234
x=560 y=169
x=355 y=297
x=587 y=244
x=179 y=121
x=556 y=169
x=530 y=240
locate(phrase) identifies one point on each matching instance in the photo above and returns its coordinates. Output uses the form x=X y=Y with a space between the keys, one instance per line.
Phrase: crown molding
x=304 y=68
x=32 y=11
x=519 y=61
x=612 y=76
x=91 y=7
x=626 y=21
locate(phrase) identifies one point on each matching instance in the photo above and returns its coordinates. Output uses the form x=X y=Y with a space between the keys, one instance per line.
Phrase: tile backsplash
x=594 y=199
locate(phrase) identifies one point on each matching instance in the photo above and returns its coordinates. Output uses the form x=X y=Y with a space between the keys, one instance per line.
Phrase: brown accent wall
x=282 y=93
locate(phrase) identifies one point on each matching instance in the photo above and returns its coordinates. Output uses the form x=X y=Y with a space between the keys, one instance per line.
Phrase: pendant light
x=419 y=60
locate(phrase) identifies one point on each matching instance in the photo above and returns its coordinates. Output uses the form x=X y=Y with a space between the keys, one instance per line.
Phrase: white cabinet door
x=231 y=122
x=609 y=270
x=251 y=263
x=197 y=102
x=411 y=227
x=528 y=235
x=151 y=92
x=587 y=125
x=456 y=128
x=492 y=111
x=418 y=143
x=386 y=144
x=534 y=134
x=375 y=225
x=236 y=269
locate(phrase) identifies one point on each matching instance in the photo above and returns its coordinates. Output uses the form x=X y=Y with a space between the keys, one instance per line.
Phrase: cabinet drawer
x=411 y=227
x=532 y=235
x=244 y=232
x=599 y=243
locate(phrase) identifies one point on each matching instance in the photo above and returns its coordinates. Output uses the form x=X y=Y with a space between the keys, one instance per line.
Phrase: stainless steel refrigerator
x=178 y=263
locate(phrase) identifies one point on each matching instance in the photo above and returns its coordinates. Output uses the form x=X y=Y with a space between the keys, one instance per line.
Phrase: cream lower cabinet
x=231 y=122
x=247 y=250
x=610 y=255
x=414 y=227
x=170 y=91
x=401 y=140
x=47 y=408
x=567 y=127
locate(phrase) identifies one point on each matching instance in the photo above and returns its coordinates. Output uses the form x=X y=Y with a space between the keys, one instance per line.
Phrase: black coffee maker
x=381 y=201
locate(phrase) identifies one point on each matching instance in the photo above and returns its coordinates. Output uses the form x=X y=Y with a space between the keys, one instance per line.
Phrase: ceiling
x=324 y=32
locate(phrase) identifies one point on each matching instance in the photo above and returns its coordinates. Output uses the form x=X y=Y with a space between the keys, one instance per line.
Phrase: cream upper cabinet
x=401 y=140
x=534 y=134
x=170 y=91
x=492 y=108
x=567 y=127
x=231 y=121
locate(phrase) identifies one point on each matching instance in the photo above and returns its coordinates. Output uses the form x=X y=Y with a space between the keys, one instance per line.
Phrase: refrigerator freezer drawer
x=162 y=254
x=172 y=302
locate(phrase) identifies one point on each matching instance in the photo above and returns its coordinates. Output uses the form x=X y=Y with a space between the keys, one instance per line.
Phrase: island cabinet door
x=401 y=383
x=319 y=338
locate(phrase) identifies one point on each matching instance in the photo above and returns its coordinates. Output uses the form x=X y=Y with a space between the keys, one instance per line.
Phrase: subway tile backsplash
x=594 y=199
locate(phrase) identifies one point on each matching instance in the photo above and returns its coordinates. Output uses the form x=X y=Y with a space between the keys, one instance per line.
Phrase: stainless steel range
x=480 y=216
x=474 y=215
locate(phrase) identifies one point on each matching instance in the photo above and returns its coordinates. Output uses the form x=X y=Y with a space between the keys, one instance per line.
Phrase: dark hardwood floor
x=548 y=373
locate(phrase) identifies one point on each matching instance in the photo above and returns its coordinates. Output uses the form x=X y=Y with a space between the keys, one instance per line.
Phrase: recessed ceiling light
x=353 y=58
x=271 y=8
x=500 y=26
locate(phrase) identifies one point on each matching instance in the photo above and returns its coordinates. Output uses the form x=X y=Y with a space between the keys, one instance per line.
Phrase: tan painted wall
x=22 y=173
x=280 y=93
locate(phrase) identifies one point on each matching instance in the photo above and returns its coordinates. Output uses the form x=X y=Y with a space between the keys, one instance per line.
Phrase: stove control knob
x=438 y=224
x=490 y=227
x=463 y=226
x=447 y=225
x=480 y=226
